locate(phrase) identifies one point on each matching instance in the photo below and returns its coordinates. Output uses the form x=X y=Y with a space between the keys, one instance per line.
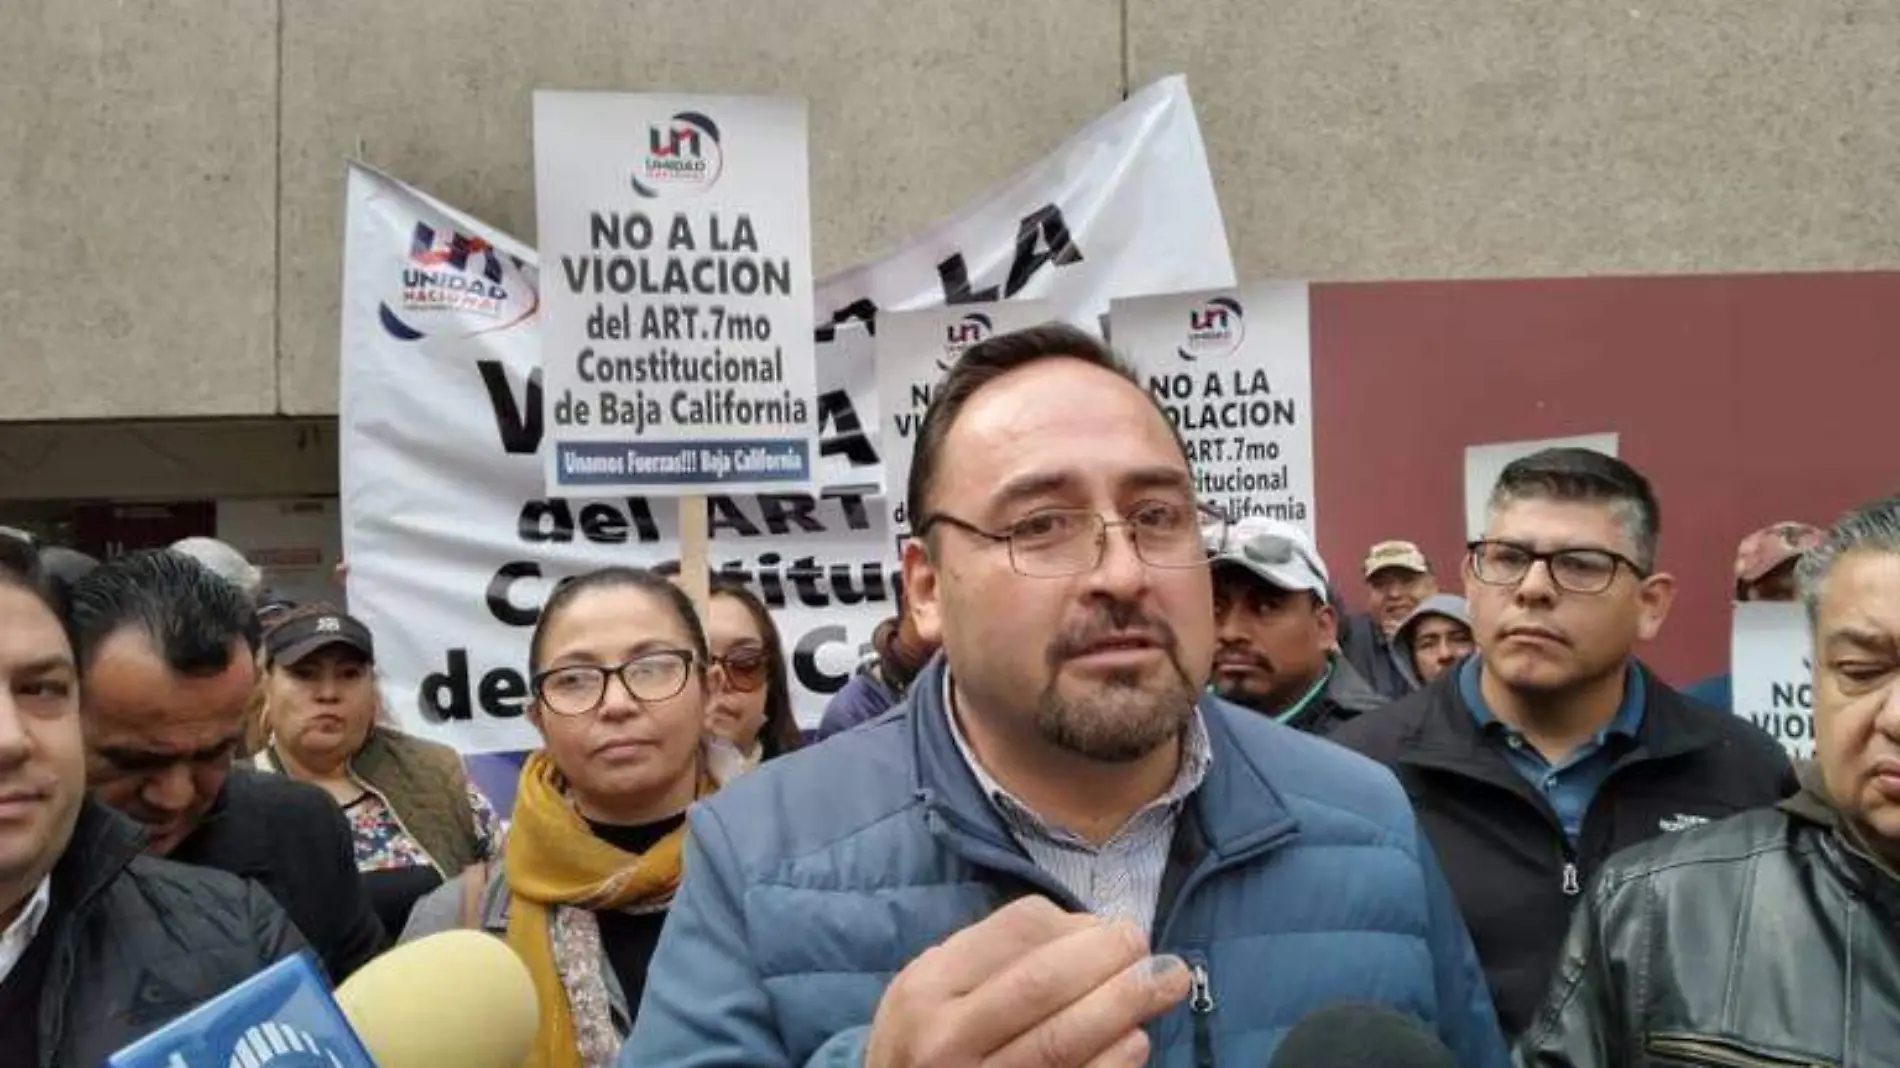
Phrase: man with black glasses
x=1059 y=850
x=1554 y=747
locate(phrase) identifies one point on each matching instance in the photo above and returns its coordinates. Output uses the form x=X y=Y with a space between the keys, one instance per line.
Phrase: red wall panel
x=1744 y=399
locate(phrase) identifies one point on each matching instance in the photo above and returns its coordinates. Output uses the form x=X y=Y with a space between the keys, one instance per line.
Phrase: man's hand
x=1029 y=987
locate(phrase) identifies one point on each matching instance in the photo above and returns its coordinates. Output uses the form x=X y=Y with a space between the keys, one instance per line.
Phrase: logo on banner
x=451 y=273
x=1214 y=329
x=682 y=154
x=963 y=333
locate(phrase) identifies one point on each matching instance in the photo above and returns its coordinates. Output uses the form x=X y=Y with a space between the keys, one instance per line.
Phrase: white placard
x=1772 y=672
x=451 y=538
x=914 y=351
x=1234 y=370
x=677 y=334
x=1484 y=463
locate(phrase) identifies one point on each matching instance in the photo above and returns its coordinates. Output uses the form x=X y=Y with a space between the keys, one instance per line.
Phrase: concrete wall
x=171 y=173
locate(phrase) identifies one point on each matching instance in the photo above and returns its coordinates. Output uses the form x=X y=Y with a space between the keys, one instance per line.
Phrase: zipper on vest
x=1573 y=882
x=1715 y=1053
x=1200 y=1007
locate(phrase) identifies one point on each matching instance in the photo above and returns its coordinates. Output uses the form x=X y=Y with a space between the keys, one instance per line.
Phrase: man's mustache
x=1113 y=622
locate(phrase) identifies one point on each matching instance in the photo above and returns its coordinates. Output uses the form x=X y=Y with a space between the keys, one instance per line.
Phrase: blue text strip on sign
x=671 y=463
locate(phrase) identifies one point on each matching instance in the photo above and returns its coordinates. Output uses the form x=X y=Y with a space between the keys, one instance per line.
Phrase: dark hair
x=190 y=614
x=608 y=578
x=1585 y=475
x=22 y=571
x=780 y=733
x=987 y=361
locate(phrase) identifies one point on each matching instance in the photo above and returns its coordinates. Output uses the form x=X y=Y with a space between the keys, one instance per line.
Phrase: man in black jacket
x=167 y=651
x=1767 y=939
x=1533 y=761
x=98 y=944
x=1277 y=634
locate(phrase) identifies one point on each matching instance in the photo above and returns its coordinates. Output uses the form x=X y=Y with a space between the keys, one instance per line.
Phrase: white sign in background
x=915 y=350
x=677 y=332
x=1234 y=369
x=1771 y=669
x=452 y=541
x=1484 y=463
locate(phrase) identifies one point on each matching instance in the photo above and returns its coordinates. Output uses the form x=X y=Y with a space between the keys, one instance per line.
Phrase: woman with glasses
x=415 y=818
x=751 y=706
x=618 y=665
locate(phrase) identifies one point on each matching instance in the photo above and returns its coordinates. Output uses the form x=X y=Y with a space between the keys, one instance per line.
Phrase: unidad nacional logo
x=961 y=334
x=280 y=1045
x=450 y=278
x=1214 y=329
x=682 y=155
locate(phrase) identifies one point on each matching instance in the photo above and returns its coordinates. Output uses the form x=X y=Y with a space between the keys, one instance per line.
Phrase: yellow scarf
x=554 y=859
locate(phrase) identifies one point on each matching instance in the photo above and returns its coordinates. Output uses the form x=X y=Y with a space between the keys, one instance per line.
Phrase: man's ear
x=1654 y=599
x=920 y=590
x=1328 y=621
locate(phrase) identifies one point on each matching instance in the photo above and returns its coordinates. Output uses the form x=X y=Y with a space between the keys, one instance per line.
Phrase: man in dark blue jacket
x=1057 y=851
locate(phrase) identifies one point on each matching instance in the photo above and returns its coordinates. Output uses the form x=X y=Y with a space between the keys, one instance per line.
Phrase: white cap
x=225 y=561
x=1276 y=551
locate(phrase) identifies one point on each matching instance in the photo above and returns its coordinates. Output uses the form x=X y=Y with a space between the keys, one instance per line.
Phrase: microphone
x=1361 y=1036
x=457 y=998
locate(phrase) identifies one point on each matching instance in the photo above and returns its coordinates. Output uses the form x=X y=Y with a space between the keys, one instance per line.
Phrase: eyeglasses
x=1058 y=542
x=743 y=668
x=1506 y=563
x=578 y=689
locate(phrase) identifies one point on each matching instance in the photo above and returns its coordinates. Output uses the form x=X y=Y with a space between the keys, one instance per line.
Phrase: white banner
x=914 y=350
x=1234 y=369
x=451 y=542
x=1771 y=669
x=677 y=331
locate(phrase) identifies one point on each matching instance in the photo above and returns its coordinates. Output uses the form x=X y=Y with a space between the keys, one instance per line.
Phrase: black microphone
x=1361 y=1036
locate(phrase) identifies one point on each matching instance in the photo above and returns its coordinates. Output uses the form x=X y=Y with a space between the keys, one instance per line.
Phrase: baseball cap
x=1400 y=554
x=1276 y=551
x=1772 y=546
x=296 y=638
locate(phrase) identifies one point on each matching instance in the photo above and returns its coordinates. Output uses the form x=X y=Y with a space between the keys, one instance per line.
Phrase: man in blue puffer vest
x=1056 y=851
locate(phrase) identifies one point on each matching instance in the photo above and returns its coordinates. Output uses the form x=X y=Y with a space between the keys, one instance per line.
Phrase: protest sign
x=452 y=541
x=677 y=332
x=1484 y=463
x=1233 y=368
x=1772 y=672
x=914 y=350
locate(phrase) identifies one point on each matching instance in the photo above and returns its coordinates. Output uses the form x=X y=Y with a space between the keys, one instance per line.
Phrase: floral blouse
x=382 y=844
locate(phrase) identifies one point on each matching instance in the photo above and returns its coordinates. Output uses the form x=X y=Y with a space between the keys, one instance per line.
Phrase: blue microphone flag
x=282 y=1017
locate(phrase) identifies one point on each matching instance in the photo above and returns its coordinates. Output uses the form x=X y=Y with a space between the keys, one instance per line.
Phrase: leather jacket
x=1769 y=940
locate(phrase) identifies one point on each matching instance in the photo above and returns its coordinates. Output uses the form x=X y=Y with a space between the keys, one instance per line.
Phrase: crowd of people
x=1124 y=781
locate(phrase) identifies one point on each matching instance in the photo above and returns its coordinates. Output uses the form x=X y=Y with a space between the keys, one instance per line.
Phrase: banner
x=452 y=543
x=677 y=333
x=1234 y=370
x=1772 y=671
x=914 y=350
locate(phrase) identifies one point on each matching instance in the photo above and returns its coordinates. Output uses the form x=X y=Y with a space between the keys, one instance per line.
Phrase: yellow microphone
x=457 y=998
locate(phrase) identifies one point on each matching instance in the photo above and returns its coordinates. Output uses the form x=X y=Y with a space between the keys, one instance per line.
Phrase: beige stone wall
x=171 y=172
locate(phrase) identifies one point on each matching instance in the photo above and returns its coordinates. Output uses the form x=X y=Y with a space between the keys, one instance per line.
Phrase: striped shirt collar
x=1197 y=753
